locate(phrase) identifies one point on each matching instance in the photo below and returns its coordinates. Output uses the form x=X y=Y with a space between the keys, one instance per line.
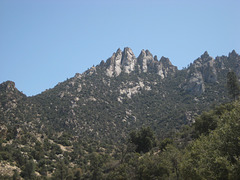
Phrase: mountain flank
x=121 y=118
x=122 y=94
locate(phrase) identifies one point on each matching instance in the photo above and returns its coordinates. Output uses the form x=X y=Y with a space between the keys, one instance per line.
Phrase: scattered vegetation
x=213 y=152
x=96 y=134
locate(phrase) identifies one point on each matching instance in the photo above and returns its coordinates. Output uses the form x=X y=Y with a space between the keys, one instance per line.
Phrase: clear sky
x=43 y=42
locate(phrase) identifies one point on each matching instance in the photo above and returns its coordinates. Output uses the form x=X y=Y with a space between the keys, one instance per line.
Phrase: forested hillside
x=209 y=149
x=127 y=118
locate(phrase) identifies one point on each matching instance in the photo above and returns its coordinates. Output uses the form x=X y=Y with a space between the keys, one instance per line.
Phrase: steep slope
x=11 y=101
x=124 y=93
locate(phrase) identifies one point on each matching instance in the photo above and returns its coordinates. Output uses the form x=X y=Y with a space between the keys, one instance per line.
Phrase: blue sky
x=43 y=42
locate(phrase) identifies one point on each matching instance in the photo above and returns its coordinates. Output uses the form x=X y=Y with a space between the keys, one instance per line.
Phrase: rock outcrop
x=114 y=64
x=9 y=95
x=126 y=62
x=144 y=59
x=165 y=67
x=236 y=61
x=8 y=86
x=203 y=70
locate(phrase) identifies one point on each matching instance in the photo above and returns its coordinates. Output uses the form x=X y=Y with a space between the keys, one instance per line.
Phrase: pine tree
x=144 y=139
x=233 y=85
x=29 y=170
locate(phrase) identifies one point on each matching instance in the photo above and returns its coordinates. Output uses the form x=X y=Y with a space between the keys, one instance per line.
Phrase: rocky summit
x=123 y=93
x=126 y=62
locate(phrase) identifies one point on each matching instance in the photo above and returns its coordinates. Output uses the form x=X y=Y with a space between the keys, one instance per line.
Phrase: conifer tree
x=233 y=85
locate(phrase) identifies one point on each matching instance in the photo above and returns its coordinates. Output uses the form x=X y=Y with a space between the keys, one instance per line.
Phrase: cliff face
x=202 y=70
x=126 y=62
x=206 y=69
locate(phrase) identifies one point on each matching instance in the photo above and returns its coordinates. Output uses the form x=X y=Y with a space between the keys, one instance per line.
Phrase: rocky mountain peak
x=148 y=53
x=204 y=60
x=128 y=60
x=233 y=54
x=145 y=53
x=125 y=61
x=127 y=51
x=91 y=114
x=117 y=54
x=8 y=86
x=144 y=59
x=165 y=67
x=119 y=51
x=127 y=56
x=165 y=61
x=202 y=71
x=142 y=54
x=205 y=55
x=10 y=95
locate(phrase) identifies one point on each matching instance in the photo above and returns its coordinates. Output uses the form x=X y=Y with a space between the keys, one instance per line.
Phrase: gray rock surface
x=202 y=70
x=126 y=62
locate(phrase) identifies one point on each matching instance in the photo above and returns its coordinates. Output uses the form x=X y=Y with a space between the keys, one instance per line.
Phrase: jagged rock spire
x=7 y=86
x=233 y=54
x=205 y=55
x=10 y=93
x=119 y=51
x=202 y=70
x=165 y=61
x=165 y=67
x=126 y=62
x=144 y=59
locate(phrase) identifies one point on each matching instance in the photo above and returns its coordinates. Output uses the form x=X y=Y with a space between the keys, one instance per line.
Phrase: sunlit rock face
x=202 y=70
x=126 y=62
x=144 y=59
